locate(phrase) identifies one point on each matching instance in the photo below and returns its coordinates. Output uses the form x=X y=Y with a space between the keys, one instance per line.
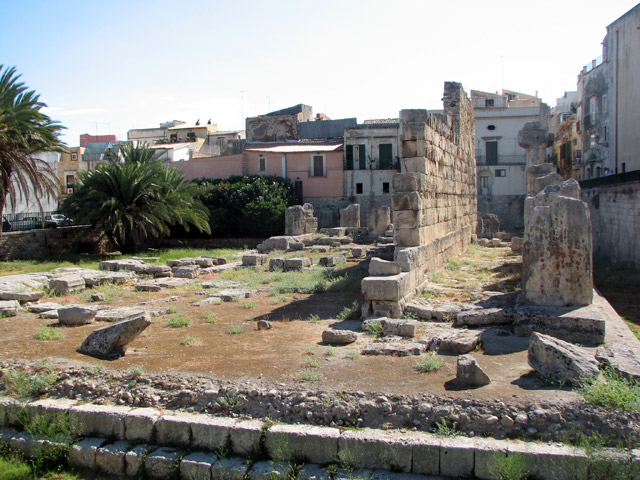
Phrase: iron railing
x=28 y=221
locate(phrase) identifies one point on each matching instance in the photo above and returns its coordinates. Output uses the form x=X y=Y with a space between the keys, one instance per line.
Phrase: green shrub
x=374 y=328
x=21 y=384
x=309 y=375
x=430 y=363
x=191 y=340
x=12 y=468
x=613 y=392
x=510 y=467
x=443 y=429
x=48 y=333
x=178 y=321
x=352 y=312
x=235 y=330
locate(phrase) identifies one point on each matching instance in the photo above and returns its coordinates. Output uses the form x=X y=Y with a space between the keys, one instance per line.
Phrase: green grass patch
x=374 y=328
x=312 y=362
x=210 y=318
x=511 y=467
x=22 y=384
x=351 y=312
x=191 y=340
x=235 y=330
x=48 y=333
x=309 y=375
x=313 y=318
x=430 y=363
x=178 y=321
x=613 y=392
x=248 y=305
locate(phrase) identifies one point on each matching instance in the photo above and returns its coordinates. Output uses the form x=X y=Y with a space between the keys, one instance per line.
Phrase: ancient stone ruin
x=434 y=207
x=299 y=220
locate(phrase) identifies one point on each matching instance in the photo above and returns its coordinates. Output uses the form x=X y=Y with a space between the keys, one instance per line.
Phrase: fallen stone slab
x=128 y=264
x=109 y=342
x=399 y=327
x=98 y=297
x=620 y=358
x=573 y=324
x=319 y=249
x=331 y=261
x=230 y=295
x=484 y=316
x=359 y=252
x=76 y=315
x=397 y=349
x=254 y=260
x=208 y=301
x=161 y=283
x=296 y=246
x=338 y=337
x=22 y=297
x=469 y=373
x=561 y=361
x=292 y=264
x=66 y=284
x=268 y=470
x=9 y=308
x=188 y=271
x=118 y=314
x=456 y=342
x=49 y=315
x=95 y=278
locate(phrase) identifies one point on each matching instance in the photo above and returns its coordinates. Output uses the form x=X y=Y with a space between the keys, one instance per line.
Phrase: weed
x=310 y=350
x=309 y=375
x=178 y=321
x=374 y=328
x=313 y=318
x=350 y=313
x=352 y=355
x=449 y=317
x=510 y=467
x=21 y=384
x=615 y=392
x=312 y=362
x=430 y=363
x=327 y=401
x=409 y=315
x=235 y=330
x=279 y=448
x=136 y=371
x=191 y=340
x=210 y=318
x=231 y=401
x=236 y=298
x=330 y=352
x=444 y=430
x=427 y=294
x=248 y=305
x=12 y=468
x=48 y=333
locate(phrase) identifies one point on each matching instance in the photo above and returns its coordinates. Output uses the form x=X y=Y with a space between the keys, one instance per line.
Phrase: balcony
x=502 y=160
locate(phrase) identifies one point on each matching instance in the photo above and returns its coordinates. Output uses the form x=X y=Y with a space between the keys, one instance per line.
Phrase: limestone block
x=138 y=424
x=547 y=180
x=134 y=461
x=456 y=457
x=276 y=264
x=484 y=316
x=303 y=443
x=234 y=468
x=295 y=220
x=66 y=284
x=409 y=218
x=197 y=466
x=99 y=420
x=9 y=308
x=162 y=464
x=296 y=263
x=310 y=225
x=174 y=430
x=76 y=315
x=557 y=257
x=110 y=341
x=564 y=463
x=295 y=247
x=395 y=349
x=9 y=411
x=187 y=271
x=53 y=409
x=268 y=470
x=487 y=451
x=378 y=267
x=210 y=433
x=560 y=360
x=401 y=328
x=377 y=449
x=117 y=314
x=83 y=453
x=516 y=244
x=338 y=337
x=254 y=260
x=426 y=455
x=110 y=458
x=358 y=252
x=22 y=297
x=245 y=437
x=406 y=201
x=313 y=472
x=415 y=164
x=378 y=220
x=490 y=223
x=350 y=216
x=468 y=372
x=388 y=288
x=331 y=261
x=43 y=307
x=621 y=358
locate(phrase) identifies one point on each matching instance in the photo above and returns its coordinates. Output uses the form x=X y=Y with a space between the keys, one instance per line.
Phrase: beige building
x=67 y=169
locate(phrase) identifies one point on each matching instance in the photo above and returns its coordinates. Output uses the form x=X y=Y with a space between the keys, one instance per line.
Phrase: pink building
x=86 y=138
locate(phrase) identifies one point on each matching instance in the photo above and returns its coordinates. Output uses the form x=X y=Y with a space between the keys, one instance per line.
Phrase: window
x=191 y=136
x=358 y=188
x=604 y=103
x=70 y=180
x=488 y=102
x=385 y=151
x=491 y=147
x=501 y=172
x=491 y=127
x=349 y=157
x=604 y=132
x=74 y=157
x=484 y=181
x=220 y=142
x=173 y=138
x=318 y=166
x=360 y=152
x=262 y=164
x=385 y=187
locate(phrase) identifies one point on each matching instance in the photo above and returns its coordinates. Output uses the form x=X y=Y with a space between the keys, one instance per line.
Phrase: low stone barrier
x=129 y=441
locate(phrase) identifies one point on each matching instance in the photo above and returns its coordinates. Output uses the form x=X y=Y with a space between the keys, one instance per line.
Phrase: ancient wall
x=272 y=128
x=434 y=204
x=615 y=217
x=50 y=242
x=327 y=209
x=509 y=209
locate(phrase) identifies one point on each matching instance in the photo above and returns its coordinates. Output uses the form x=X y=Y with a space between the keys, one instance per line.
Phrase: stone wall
x=509 y=209
x=434 y=204
x=327 y=209
x=50 y=242
x=615 y=218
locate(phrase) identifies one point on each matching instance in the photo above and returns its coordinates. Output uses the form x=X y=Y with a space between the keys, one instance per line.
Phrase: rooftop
x=295 y=147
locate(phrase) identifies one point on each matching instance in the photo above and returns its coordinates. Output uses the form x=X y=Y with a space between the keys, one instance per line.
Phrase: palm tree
x=24 y=131
x=136 y=199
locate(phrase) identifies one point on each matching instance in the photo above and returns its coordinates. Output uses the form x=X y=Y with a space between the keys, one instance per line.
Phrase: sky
x=108 y=66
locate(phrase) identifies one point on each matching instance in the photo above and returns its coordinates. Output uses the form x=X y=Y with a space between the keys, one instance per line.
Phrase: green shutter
x=385 y=156
x=349 y=156
x=363 y=157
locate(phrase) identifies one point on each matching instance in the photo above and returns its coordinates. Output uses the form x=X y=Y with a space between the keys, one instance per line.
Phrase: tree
x=24 y=131
x=136 y=199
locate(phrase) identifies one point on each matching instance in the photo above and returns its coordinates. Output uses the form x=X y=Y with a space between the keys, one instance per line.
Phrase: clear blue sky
x=117 y=65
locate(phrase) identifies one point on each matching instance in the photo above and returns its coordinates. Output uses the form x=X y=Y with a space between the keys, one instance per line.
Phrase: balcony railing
x=502 y=160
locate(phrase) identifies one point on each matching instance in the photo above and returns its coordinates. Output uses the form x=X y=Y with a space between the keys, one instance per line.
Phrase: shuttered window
x=349 y=157
x=317 y=166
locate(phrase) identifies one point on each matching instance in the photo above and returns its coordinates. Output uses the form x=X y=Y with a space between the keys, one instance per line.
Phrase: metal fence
x=30 y=220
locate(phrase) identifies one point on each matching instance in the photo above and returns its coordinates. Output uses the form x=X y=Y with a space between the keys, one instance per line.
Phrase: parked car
x=6 y=225
x=57 y=220
x=28 y=223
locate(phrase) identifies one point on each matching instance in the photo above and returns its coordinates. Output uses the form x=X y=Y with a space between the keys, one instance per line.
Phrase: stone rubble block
x=162 y=464
x=83 y=453
x=359 y=252
x=110 y=341
x=268 y=470
x=310 y=471
x=134 y=460
x=254 y=260
x=139 y=423
x=118 y=314
x=110 y=458
x=456 y=457
x=318 y=249
x=245 y=437
x=208 y=301
x=314 y=444
x=197 y=465
x=296 y=246
x=517 y=244
x=291 y=264
x=9 y=411
x=188 y=271
x=76 y=315
x=331 y=261
x=397 y=349
x=469 y=373
x=392 y=288
x=350 y=216
x=457 y=342
x=9 y=308
x=43 y=307
x=99 y=420
x=377 y=267
x=22 y=297
x=333 y=336
x=486 y=451
x=622 y=359
x=377 y=450
x=234 y=468
x=559 y=463
x=210 y=433
x=484 y=316
x=66 y=284
x=378 y=220
x=561 y=361
x=399 y=327
x=174 y=429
